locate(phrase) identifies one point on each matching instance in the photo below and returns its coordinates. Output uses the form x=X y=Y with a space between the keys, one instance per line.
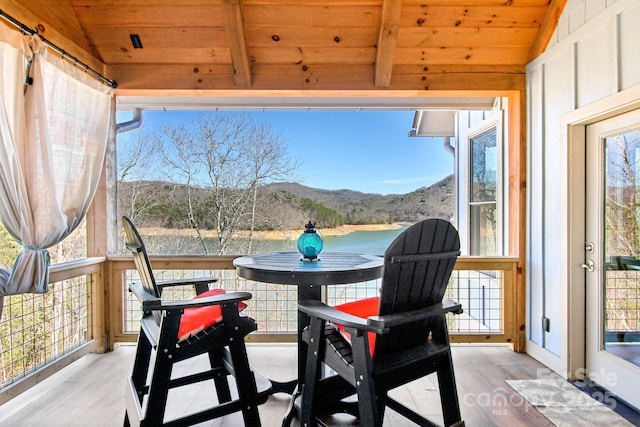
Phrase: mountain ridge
x=290 y=204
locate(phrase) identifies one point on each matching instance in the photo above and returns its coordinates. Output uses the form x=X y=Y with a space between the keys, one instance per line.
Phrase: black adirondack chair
x=410 y=329
x=173 y=331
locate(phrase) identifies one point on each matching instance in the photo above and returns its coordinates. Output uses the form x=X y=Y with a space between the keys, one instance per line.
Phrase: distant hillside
x=291 y=204
x=366 y=208
x=330 y=197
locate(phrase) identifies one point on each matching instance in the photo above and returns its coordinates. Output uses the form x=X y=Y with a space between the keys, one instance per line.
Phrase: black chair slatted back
x=417 y=269
x=136 y=246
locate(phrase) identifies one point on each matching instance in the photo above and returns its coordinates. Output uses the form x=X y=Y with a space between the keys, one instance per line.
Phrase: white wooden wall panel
x=535 y=203
x=558 y=99
x=629 y=46
x=577 y=14
x=597 y=66
x=562 y=30
x=593 y=8
x=593 y=55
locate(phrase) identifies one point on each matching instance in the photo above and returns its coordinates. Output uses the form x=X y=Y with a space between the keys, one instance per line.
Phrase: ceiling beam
x=547 y=27
x=321 y=77
x=387 y=38
x=240 y=59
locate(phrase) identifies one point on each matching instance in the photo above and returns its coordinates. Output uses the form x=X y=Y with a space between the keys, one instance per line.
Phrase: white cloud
x=401 y=181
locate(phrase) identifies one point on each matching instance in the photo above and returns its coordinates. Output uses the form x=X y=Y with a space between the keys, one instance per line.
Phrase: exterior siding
x=593 y=55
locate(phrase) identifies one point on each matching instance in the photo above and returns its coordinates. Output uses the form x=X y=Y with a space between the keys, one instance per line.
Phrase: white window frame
x=493 y=122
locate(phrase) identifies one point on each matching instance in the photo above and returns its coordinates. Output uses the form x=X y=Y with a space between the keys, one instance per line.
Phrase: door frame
x=574 y=135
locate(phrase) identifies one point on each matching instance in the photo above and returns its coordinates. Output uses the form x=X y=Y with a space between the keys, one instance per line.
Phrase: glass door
x=612 y=255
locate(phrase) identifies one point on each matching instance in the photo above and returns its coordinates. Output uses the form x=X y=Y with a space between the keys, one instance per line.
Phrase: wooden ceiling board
x=191 y=55
x=491 y=3
x=60 y=20
x=140 y=3
x=174 y=76
x=472 y=16
x=455 y=55
x=133 y=15
x=311 y=36
x=60 y=16
x=70 y=37
x=312 y=16
x=315 y=55
x=466 y=37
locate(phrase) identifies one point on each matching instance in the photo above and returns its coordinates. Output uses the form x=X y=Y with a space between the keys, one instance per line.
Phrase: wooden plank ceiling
x=300 y=44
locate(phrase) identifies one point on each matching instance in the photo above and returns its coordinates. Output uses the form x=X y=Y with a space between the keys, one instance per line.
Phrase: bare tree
x=622 y=228
x=622 y=195
x=230 y=155
x=135 y=163
x=180 y=153
x=267 y=160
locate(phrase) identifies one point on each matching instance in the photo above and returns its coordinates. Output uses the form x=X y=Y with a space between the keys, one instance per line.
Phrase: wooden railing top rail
x=75 y=268
x=226 y=261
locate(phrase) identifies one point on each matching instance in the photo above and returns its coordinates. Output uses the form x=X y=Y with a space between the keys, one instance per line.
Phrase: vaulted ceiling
x=299 y=45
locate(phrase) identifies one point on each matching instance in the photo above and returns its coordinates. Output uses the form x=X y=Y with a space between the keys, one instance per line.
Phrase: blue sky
x=367 y=151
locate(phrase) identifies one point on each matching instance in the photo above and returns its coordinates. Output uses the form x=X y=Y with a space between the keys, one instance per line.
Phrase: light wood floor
x=90 y=391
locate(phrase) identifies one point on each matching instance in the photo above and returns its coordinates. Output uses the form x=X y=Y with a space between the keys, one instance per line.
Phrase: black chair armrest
x=203 y=302
x=150 y=302
x=320 y=310
x=186 y=282
x=377 y=324
x=389 y=321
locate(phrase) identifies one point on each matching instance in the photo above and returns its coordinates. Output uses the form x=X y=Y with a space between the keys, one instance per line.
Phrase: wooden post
x=517 y=207
x=101 y=238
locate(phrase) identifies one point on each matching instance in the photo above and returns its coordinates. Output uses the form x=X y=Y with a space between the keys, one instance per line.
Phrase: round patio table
x=288 y=268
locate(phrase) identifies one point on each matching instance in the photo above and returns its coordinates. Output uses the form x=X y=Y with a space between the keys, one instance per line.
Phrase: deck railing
x=90 y=310
x=41 y=333
x=486 y=287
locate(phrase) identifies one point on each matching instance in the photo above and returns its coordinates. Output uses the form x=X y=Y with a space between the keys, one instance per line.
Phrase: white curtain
x=53 y=136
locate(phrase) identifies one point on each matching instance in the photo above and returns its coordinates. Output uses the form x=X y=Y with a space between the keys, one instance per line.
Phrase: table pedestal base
x=288 y=387
x=333 y=402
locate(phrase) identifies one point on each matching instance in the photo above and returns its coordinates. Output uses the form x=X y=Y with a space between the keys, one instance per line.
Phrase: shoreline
x=276 y=234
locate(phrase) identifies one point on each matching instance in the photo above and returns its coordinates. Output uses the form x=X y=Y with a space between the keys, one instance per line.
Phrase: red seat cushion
x=362 y=308
x=196 y=319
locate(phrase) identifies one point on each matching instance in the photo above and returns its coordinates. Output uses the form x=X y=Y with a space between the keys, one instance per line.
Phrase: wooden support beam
x=318 y=77
x=548 y=26
x=240 y=59
x=387 y=38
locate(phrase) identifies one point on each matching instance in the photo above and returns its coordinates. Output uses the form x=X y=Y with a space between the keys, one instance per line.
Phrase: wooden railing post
x=99 y=322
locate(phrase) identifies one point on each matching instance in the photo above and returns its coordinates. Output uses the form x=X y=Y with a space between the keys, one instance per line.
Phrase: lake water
x=363 y=242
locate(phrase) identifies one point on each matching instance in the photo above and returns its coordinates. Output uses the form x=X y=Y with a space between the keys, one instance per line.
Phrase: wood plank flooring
x=90 y=391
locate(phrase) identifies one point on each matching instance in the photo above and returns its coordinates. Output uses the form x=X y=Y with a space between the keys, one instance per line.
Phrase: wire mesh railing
x=274 y=306
x=36 y=329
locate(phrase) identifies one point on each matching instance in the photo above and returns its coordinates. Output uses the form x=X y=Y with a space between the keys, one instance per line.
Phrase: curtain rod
x=75 y=61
